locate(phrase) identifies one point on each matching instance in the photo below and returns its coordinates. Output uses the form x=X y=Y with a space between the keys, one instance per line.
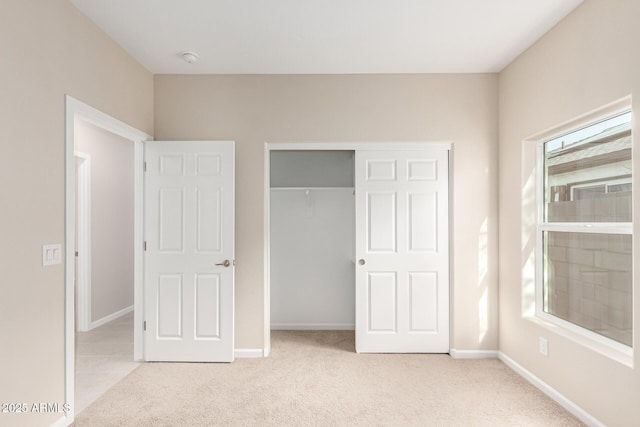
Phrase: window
x=585 y=231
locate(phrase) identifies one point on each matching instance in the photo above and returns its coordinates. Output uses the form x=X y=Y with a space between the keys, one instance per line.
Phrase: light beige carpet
x=316 y=378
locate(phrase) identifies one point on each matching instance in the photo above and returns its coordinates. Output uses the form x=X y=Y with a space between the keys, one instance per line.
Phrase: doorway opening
x=78 y=112
x=311 y=246
x=104 y=256
x=312 y=240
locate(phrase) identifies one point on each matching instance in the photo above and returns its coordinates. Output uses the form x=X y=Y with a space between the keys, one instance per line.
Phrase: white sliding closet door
x=402 y=251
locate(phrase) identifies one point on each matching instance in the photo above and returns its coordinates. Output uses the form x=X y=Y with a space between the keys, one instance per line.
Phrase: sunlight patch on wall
x=483 y=252
x=483 y=315
x=528 y=210
x=528 y=227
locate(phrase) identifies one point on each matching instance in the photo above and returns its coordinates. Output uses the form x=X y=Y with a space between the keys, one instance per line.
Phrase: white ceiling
x=326 y=36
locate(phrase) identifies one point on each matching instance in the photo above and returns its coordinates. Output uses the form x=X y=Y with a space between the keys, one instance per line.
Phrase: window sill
x=604 y=346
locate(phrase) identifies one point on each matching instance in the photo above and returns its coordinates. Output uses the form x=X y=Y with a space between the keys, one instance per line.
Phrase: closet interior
x=312 y=230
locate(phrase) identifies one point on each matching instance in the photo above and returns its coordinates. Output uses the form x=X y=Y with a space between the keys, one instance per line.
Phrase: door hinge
x=144 y=325
x=144 y=166
x=144 y=245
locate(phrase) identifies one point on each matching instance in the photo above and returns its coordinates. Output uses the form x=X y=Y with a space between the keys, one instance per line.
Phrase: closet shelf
x=311 y=188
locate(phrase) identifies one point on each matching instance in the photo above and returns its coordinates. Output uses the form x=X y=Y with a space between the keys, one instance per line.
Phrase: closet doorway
x=312 y=239
x=377 y=263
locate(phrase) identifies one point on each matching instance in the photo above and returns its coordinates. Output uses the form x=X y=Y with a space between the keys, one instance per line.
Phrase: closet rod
x=311 y=188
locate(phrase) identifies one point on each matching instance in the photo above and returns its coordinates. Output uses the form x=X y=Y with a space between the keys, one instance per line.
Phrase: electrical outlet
x=544 y=346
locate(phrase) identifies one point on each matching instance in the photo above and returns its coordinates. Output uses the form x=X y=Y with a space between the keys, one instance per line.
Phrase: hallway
x=104 y=356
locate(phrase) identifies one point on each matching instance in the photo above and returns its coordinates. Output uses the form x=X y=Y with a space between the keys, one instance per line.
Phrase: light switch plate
x=51 y=254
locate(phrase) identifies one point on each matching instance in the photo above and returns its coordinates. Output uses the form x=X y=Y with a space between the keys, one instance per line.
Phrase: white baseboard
x=313 y=326
x=554 y=394
x=63 y=422
x=249 y=353
x=109 y=318
x=473 y=354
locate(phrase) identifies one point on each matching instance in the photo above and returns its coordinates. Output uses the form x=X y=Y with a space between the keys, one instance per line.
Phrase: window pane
x=614 y=188
x=588 y=174
x=589 y=192
x=588 y=281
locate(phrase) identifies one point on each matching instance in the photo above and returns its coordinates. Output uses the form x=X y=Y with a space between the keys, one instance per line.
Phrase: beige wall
x=590 y=59
x=49 y=49
x=112 y=196
x=253 y=110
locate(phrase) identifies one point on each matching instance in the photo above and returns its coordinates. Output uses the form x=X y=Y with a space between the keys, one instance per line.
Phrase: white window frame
x=605 y=182
x=603 y=345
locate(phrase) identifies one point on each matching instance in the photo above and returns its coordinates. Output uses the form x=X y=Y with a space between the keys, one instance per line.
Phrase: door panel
x=208 y=306
x=423 y=297
x=209 y=220
x=169 y=306
x=382 y=291
x=402 y=277
x=171 y=217
x=189 y=211
x=381 y=231
x=381 y=170
x=422 y=222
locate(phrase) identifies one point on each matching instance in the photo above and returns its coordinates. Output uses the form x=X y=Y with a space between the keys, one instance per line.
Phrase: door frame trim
x=331 y=146
x=77 y=109
x=83 y=197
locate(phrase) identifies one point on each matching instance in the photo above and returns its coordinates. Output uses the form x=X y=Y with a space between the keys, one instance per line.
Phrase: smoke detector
x=190 y=57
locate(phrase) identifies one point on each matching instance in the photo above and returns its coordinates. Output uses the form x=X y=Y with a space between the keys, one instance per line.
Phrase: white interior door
x=402 y=251
x=189 y=256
